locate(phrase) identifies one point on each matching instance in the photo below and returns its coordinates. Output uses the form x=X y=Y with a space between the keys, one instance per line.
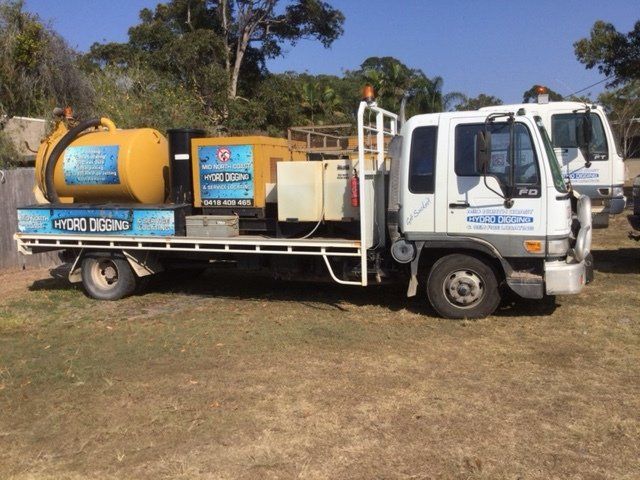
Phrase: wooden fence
x=16 y=190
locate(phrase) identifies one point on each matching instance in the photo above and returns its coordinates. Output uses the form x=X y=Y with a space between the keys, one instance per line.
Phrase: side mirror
x=584 y=136
x=483 y=151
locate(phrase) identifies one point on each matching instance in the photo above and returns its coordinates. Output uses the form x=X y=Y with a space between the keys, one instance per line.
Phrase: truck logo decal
x=500 y=219
x=584 y=175
x=226 y=175
x=91 y=165
x=102 y=221
x=223 y=154
x=91 y=224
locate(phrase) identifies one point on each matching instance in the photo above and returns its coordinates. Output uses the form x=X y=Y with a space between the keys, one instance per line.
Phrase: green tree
x=392 y=80
x=430 y=98
x=320 y=102
x=531 y=95
x=623 y=108
x=8 y=152
x=137 y=97
x=331 y=104
x=38 y=71
x=256 y=23
x=476 y=103
x=310 y=99
x=613 y=53
x=236 y=35
x=280 y=96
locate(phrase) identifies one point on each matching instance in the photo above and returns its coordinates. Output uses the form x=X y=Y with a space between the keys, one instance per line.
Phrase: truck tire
x=461 y=286
x=107 y=276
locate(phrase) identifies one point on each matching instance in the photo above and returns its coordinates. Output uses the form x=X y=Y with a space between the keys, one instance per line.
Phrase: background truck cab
x=585 y=146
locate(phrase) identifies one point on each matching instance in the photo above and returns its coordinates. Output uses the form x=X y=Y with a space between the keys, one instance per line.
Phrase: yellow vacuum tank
x=116 y=166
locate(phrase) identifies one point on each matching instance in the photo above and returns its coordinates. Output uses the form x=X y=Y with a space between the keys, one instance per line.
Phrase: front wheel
x=462 y=286
x=107 y=276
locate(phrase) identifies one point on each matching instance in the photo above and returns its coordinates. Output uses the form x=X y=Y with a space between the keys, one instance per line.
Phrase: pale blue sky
x=500 y=47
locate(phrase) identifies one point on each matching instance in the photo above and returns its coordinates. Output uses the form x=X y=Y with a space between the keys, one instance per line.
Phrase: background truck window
x=563 y=130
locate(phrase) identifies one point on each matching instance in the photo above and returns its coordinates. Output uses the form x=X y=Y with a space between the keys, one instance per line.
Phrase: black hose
x=50 y=189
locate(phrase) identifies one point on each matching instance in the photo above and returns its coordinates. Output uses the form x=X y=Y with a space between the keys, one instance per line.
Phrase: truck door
x=596 y=180
x=475 y=205
x=419 y=181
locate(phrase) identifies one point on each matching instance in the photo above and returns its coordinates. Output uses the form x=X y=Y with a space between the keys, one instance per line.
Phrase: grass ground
x=252 y=379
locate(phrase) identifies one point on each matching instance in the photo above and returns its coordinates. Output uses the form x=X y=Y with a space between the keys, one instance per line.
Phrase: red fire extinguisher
x=355 y=189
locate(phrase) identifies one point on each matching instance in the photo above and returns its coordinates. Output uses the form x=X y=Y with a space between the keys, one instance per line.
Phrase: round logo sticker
x=224 y=155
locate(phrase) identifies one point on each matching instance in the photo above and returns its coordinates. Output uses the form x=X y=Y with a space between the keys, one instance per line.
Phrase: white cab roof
x=540 y=107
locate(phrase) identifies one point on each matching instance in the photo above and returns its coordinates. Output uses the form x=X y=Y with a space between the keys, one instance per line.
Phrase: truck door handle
x=459 y=205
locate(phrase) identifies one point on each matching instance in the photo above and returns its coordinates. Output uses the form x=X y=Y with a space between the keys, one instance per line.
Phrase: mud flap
x=413 y=282
x=75 y=273
x=143 y=263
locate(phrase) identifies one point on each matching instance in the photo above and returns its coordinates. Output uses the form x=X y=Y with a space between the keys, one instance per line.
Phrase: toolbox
x=212 y=226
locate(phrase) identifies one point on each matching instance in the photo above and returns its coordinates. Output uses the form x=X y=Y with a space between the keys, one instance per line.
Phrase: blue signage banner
x=97 y=221
x=91 y=165
x=226 y=175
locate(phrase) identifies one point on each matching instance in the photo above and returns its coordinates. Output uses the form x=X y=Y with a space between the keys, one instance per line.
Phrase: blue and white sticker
x=91 y=165
x=500 y=219
x=96 y=221
x=584 y=176
x=226 y=175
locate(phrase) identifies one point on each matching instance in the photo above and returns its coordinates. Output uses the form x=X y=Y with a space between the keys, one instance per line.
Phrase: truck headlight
x=617 y=192
x=558 y=247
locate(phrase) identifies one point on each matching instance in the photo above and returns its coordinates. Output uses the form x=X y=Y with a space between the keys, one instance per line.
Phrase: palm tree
x=392 y=80
x=390 y=83
x=311 y=101
x=429 y=98
x=330 y=103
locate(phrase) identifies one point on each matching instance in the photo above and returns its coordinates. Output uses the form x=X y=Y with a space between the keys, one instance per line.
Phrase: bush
x=8 y=153
x=137 y=97
x=38 y=70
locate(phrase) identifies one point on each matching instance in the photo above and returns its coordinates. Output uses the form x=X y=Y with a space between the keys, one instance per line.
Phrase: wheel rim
x=463 y=288
x=104 y=273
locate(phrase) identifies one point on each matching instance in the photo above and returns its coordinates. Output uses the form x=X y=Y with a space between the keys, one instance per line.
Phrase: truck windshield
x=564 y=126
x=554 y=165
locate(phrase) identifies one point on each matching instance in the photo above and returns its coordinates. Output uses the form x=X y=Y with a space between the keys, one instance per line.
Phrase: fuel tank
x=112 y=165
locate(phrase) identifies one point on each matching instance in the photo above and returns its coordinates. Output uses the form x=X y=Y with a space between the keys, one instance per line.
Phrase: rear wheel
x=462 y=286
x=107 y=276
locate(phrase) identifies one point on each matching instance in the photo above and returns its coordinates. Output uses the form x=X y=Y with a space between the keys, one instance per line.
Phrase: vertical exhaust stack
x=180 y=163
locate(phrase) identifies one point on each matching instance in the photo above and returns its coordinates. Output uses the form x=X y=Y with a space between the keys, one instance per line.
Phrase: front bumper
x=562 y=278
x=615 y=205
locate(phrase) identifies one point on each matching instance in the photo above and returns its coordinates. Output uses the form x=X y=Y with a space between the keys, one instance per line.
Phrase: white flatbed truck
x=472 y=205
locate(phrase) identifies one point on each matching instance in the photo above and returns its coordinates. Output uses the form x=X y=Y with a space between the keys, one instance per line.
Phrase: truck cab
x=587 y=152
x=482 y=199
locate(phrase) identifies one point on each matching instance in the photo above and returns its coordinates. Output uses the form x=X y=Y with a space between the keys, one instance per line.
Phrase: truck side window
x=563 y=130
x=527 y=172
x=423 y=160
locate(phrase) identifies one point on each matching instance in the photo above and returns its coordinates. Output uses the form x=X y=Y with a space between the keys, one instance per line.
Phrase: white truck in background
x=474 y=204
x=587 y=149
